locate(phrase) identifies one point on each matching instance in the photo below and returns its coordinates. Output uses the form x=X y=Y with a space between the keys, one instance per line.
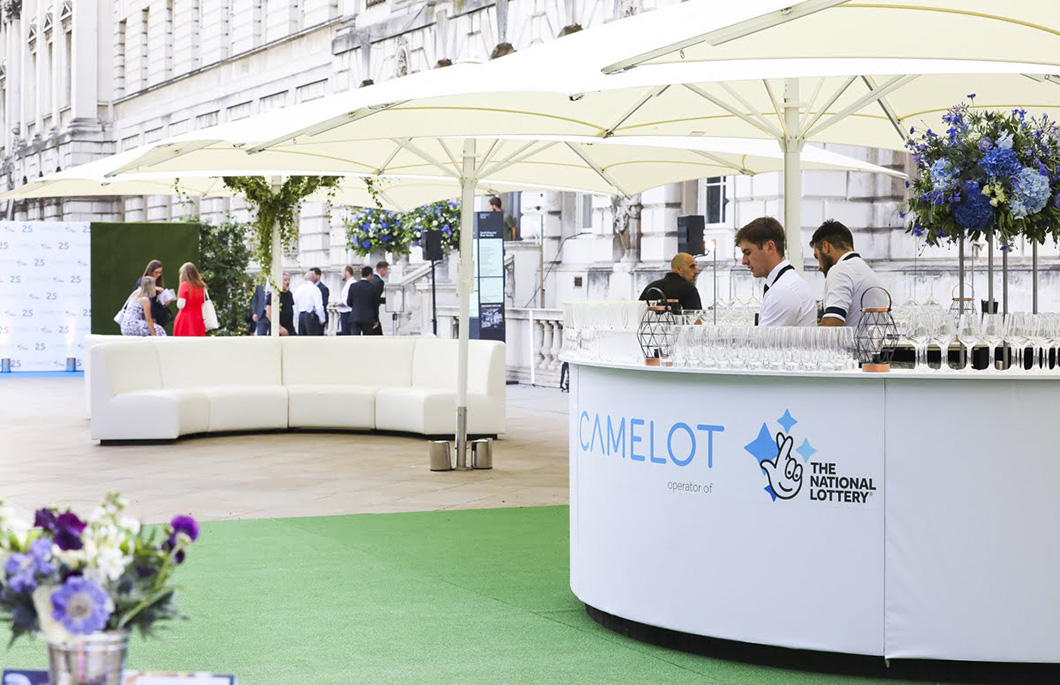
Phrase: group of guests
x=786 y=297
x=304 y=311
x=147 y=310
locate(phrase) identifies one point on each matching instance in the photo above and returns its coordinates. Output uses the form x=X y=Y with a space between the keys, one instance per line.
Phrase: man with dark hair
x=786 y=299
x=847 y=276
x=344 y=309
x=363 y=301
x=510 y=232
x=382 y=268
x=679 y=284
x=324 y=293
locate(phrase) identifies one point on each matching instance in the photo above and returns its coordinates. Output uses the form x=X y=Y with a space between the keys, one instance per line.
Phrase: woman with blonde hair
x=138 y=319
x=190 y=296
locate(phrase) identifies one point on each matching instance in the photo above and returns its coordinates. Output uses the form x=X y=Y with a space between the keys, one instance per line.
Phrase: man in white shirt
x=786 y=299
x=847 y=276
x=309 y=307
x=343 y=308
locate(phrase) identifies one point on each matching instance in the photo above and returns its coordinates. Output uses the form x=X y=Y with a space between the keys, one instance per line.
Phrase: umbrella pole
x=792 y=145
x=464 y=285
x=276 y=270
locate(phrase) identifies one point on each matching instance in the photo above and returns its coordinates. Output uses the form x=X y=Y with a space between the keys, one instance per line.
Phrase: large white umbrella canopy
x=859 y=73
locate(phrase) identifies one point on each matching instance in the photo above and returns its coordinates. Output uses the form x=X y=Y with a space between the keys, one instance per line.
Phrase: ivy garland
x=278 y=207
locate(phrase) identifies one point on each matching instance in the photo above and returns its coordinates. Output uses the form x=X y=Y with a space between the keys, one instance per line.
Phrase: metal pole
x=960 y=276
x=464 y=286
x=990 y=272
x=1034 y=277
x=1004 y=282
x=434 y=301
x=792 y=146
x=276 y=277
x=715 y=282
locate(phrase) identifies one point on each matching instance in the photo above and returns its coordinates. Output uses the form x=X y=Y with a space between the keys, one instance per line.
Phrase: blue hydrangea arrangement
x=382 y=230
x=376 y=229
x=989 y=172
x=63 y=576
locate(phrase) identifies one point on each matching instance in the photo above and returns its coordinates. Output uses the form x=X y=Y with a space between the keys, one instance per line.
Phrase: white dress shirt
x=846 y=282
x=342 y=307
x=787 y=300
x=307 y=298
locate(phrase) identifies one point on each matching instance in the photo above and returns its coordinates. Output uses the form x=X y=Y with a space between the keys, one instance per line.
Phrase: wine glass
x=968 y=334
x=921 y=328
x=992 y=332
x=944 y=334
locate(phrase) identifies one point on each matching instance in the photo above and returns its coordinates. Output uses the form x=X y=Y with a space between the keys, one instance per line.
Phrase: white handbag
x=119 y=318
x=209 y=314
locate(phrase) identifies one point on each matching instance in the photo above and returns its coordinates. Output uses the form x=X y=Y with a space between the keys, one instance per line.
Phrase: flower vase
x=93 y=659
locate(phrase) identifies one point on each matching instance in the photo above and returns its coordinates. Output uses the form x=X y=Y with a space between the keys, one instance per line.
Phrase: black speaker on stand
x=432 y=251
x=690 y=234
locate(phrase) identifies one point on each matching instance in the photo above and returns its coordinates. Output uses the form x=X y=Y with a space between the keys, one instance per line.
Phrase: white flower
x=74 y=558
x=52 y=630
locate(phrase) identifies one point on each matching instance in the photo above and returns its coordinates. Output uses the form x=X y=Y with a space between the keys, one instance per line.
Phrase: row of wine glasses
x=610 y=315
x=1025 y=341
x=766 y=348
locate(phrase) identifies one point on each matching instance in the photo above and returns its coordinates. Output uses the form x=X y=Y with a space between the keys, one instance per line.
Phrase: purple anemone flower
x=181 y=524
x=66 y=528
x=22 y=569
x=81 y=606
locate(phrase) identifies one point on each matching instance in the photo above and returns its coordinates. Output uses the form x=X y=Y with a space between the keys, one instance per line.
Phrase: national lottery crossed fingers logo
x=787 y=468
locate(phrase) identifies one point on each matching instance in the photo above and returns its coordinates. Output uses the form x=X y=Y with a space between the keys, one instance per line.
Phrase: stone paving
x=47 y=457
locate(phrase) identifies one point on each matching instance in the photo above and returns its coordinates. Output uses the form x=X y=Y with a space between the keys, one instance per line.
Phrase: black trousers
x=309 y=324
x=358 y=328
x=344 y=323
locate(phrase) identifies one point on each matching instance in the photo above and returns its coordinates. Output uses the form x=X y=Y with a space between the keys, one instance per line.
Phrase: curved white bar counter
x=914 y=518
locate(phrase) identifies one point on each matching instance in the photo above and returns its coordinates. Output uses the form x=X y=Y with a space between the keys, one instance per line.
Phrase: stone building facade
x=84 y=79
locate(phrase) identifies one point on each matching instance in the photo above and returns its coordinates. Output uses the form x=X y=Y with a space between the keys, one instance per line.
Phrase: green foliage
x=223 y=259
x=277 y=207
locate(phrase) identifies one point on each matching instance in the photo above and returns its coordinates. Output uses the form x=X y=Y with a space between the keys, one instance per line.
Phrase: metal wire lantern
x=961 y=306
x=656 y=331
x=876 y=335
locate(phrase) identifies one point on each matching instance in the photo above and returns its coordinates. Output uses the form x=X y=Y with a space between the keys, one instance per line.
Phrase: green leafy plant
x=223 y=260
x=277 y=206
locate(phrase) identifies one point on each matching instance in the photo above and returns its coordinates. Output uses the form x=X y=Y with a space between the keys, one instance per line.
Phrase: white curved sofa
x=161 y=389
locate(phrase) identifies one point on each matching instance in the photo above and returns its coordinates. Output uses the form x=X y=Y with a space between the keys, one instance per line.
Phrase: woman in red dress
x=190 y=296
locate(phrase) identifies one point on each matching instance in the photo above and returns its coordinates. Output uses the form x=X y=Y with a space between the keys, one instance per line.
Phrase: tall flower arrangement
x=441 y=216
x=377 y=229
x=989 y=172
x=65 y=576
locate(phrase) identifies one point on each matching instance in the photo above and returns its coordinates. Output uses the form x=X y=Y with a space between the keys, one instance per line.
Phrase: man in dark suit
x=257 y=311
x=363 y=301
x=381 y=270
x=324 y=293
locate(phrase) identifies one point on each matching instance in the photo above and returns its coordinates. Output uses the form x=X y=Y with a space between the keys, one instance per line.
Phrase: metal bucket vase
x=94 y=659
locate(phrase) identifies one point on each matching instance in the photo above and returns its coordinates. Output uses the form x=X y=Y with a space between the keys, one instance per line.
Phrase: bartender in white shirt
x=309 y=307
x=846 y=275
x=786 y=299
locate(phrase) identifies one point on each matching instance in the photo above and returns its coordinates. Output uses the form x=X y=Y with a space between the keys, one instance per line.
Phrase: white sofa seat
x=129 y=402
x=429 y=405
x=332 y=382
x=163 y=388
x=241 y=379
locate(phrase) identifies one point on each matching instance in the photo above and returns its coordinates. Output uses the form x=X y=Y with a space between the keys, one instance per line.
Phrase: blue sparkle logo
x=773 y=452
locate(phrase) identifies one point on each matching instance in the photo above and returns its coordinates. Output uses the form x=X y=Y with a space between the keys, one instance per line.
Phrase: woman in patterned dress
x=137 y=319
x=190 y=296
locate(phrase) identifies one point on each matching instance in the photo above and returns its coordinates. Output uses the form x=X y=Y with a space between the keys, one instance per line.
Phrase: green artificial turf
x=476 y=596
